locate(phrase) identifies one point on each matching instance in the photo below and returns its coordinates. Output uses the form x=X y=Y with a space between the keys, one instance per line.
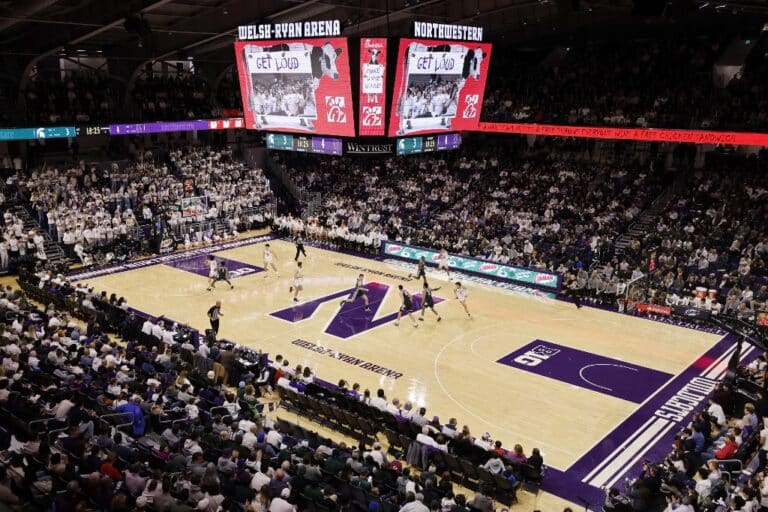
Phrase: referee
x=213 y=315
x=299 y=247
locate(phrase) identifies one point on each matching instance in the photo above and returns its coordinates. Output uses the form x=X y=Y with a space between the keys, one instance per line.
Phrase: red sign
x=653 y=308
x=299 y=86
x=226 y=124
x=439 y=86
x=645 y=134
x=373 y=85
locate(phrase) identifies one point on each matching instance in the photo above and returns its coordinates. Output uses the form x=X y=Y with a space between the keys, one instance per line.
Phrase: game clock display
x=91 y=130
x=304 y=143
x=428 y=144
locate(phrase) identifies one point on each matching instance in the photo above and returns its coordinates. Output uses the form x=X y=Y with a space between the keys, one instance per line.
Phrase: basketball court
x=594 y=390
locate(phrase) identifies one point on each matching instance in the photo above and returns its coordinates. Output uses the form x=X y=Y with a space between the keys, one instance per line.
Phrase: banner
x=357 y=148
x=691 y=312
x=439 y=86
x=653 y=309
x=175 y=126
x=644 y=134
x=373 y=85
x=519 y=275
x=194 y=206
x=296 y=86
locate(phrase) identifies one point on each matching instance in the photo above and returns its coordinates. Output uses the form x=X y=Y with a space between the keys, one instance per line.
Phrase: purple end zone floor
x=598 y=373
x=198 y=264
x=648 y=432
x=351 y=319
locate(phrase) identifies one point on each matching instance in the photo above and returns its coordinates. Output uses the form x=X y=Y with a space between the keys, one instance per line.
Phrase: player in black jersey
x=222 y=275
x=299 y=247
x=421 y=270
x=428 y=302
x=359 y=291
x=406 y=307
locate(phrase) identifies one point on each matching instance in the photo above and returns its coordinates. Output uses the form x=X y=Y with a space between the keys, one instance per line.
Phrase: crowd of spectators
x=172 y=97
x=79 y=98
x=659 y=83
x=707 y=249
x=536 y=210
x=19 y=247
x=85 y=209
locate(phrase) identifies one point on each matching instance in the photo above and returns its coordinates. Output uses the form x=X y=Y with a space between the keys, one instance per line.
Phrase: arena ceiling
x=141 y=30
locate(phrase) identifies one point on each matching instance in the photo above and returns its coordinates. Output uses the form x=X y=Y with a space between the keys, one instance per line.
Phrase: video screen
x=373 y=85
x=299 y=85
x=439 y=86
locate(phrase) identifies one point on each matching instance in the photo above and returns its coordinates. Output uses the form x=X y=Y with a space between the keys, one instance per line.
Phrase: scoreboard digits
x=302 y=143
x=428 y=144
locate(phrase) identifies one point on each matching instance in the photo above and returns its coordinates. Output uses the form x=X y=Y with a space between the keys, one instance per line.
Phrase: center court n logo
x=350 y=319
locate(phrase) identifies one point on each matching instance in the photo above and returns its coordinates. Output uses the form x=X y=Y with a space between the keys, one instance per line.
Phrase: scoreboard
x=428 y=144
x=304 y=143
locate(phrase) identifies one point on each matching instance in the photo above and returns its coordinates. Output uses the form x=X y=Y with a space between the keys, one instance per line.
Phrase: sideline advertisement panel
x=519 y=275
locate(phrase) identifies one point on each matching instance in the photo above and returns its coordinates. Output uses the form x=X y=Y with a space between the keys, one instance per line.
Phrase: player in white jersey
x=461 y=295
x=439 y=104
x=259 y=101
x=298 y=283
x=213 y=270
x=420 y=106
x=406 y=307
x=270 y=103
x=408 y=104
x=442 y=262
x=359 y=291
x=268 y=257
x=292 y=103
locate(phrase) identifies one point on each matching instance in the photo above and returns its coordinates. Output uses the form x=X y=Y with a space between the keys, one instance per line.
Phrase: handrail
x=721 y=462
x=111 y=415
x=45 y=420
x=55 y=431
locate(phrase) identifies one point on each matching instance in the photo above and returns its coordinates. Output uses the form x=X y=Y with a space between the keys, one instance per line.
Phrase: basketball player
x=428 y=301
x=443 y=262
x=406 y=306
x=268 y=256
x=214 y=313
x=299 y=247
x=212 y=271
x=222 y=274
x=421 y=271
x=359 y=291
x=298 y=283
x=461 y=295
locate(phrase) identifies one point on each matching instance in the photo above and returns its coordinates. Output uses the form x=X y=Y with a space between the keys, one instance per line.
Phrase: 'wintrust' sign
x=356 y=148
